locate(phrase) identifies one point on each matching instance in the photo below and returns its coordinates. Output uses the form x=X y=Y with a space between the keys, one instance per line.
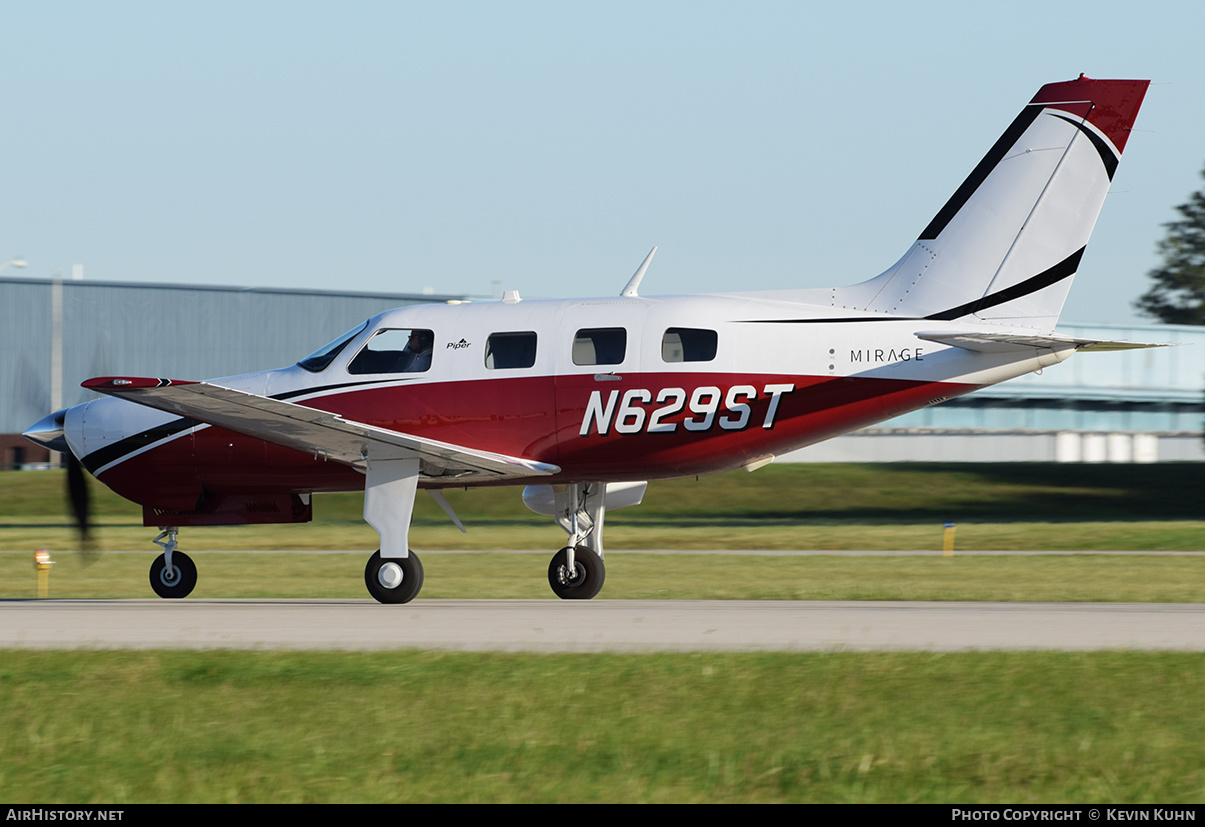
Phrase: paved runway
x=599 y=625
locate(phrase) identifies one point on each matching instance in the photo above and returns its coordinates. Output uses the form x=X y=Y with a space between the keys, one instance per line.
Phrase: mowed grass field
x=270 y=727
x=783 y=507
x=408 y=726
x=892 y=507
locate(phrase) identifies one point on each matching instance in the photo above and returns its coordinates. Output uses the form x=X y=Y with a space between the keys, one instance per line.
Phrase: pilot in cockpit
x=416 y=356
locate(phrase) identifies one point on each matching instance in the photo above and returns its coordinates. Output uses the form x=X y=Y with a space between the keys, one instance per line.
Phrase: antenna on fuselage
x=634 y=281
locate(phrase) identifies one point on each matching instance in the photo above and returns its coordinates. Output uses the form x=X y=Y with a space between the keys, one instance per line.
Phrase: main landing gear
x=173 y=574
x=393 y=579
x=580 y=579
x=577 y=571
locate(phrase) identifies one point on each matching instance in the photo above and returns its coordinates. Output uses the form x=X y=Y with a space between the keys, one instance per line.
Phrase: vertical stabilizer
x=1006 y=245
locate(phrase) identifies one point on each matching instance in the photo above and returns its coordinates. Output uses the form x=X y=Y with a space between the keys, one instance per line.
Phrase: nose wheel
x=173 y=574
x=174 y=581
x=580 y=580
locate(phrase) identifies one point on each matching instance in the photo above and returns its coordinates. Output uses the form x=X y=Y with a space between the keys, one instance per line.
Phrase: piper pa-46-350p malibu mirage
x=584 y=401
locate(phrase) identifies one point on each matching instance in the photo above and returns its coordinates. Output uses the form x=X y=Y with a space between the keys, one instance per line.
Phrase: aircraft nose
x=48 y=432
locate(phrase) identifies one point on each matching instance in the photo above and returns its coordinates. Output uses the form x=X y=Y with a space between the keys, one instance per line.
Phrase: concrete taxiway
x=599 y=625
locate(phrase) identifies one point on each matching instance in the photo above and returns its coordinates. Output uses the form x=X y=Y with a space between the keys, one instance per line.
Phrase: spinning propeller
x=48 y=432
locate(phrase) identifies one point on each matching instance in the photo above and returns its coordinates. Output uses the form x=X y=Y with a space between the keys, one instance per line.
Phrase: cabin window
x=395 y=351
x=510 y=350
x=688 y=344
x=600 y=346
x=323 y=356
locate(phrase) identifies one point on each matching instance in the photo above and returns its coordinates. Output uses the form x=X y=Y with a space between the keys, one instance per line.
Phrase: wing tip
x=124 y=384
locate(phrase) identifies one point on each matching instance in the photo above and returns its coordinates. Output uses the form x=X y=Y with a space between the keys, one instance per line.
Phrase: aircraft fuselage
x=667 y=387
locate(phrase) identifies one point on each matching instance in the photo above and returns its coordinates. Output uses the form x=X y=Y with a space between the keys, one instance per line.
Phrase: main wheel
x=584 y=581
x=393 y=579
x=179 y=580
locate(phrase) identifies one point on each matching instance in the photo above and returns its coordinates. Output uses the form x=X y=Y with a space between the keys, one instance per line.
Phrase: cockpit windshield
x=317 y=361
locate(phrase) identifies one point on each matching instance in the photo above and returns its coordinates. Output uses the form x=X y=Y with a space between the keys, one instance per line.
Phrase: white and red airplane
x=578 y=400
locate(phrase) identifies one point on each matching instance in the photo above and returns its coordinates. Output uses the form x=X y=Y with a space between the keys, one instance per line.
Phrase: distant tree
x=1178 y=295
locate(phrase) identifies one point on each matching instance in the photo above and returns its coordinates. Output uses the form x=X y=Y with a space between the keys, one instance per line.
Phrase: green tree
x=1178 y=295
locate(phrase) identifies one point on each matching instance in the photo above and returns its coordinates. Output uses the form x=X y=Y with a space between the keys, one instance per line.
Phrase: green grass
x=533 y=533
x=127 y=727
x=831 y=507
x=888 y=507
x=1086 y=578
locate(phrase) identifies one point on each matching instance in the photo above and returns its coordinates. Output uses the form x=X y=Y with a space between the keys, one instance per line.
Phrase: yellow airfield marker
x=42 y=562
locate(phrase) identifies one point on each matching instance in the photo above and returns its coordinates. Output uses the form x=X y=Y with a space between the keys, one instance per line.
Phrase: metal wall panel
x=160 y=330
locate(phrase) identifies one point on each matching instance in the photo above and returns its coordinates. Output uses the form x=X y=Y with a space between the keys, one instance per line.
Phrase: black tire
x=177 y=583
x=380 y=574
x=586 y=579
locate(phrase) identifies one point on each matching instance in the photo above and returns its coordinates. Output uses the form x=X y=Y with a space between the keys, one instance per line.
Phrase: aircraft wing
x=1001 y=342
x=319 y=432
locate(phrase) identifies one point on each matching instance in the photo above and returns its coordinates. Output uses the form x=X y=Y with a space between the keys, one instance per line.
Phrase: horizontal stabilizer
x=313 y=431
x=1003 y=342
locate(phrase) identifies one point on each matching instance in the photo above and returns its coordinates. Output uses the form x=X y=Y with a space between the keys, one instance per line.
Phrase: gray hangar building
x=55 y=333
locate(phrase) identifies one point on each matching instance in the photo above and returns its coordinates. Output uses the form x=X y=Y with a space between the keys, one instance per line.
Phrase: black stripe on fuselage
x=322 y=389
x=111 y=453
x=1064 y=269
x=840 y=320
x=118 y=450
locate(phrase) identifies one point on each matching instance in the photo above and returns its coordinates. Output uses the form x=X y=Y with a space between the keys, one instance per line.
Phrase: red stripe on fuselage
x=538 y=418
x=816 y=409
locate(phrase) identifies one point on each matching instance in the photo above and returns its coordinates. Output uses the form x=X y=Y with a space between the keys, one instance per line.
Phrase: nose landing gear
x=173 y=574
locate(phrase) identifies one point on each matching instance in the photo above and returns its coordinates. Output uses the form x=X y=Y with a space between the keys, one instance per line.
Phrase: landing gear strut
x=577 y=571
x=173 y=574
x=394 y=574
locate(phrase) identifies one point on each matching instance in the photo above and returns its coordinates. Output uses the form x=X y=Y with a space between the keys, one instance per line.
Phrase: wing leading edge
x=319 y=432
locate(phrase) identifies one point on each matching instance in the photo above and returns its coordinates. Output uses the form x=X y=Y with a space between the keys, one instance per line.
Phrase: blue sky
x=392 y=146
